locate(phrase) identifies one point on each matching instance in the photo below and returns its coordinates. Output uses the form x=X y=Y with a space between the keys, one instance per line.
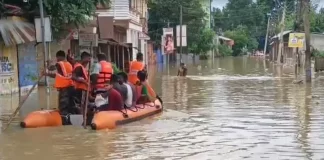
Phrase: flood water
x=232 y=109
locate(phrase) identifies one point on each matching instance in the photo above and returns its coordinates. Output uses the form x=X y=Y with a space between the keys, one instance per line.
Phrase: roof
x=224 y=38
x=278 y=35
x=15 y=31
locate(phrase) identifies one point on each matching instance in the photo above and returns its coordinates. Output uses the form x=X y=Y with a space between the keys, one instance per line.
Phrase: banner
x=296 y=40
x=184 y=35
x=168 y=43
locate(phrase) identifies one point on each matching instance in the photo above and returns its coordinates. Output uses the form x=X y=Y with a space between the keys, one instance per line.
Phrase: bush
x=224 y=50
x=317 y=53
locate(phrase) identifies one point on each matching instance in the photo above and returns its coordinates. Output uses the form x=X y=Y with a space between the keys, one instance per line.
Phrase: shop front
x=8 y=69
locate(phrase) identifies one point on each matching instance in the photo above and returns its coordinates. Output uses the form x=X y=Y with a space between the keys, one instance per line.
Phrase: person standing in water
x=80 y=78
x=61 y=71
x=182 y=70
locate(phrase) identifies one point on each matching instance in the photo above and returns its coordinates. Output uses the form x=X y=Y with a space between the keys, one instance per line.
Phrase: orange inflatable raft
x=101 y=120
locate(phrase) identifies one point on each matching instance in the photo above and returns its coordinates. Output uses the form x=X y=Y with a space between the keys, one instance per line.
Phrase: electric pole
x=267 y=35
x=41 y=8
x=282 y=26
x=308 y=63
x=180 y=33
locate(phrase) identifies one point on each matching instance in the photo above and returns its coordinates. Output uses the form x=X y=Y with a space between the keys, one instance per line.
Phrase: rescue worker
x=63 y=83
x=80 y=78
x=134 y=67
x=101 y=73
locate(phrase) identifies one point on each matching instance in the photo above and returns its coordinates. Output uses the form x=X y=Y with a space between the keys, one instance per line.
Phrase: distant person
x=62 y=72
x=182 y=71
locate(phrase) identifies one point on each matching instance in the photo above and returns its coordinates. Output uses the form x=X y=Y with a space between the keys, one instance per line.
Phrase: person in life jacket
x=101 y=73
x=80 y=78
x=135 y=67
x=62 y=72
x=142 y=92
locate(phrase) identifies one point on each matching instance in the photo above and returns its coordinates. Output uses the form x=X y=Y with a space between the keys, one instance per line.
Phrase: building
x=288 y=54
x=206 y=5
x=129 y=18
x=18 y=69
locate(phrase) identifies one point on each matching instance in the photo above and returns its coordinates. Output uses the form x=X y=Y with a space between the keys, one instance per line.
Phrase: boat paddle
x=21 y=103
x=85 y=107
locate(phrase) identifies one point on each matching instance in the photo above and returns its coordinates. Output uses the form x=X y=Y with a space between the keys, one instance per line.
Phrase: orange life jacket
x=64 y=80
x=134 y=67
x=104 y=74
x=79 y=85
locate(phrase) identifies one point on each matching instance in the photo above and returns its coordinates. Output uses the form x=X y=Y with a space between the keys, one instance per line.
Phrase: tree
x=241 y=38
x=65 y=15
x=163 y=11
x=204 y=42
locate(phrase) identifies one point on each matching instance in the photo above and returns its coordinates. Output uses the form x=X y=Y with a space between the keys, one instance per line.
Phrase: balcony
x=144 y=25
x=120 y=10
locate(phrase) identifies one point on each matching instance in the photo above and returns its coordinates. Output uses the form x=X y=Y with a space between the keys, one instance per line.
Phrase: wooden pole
x=282 y=27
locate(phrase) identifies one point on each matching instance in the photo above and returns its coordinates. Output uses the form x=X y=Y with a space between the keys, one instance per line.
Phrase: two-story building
x=126 y=22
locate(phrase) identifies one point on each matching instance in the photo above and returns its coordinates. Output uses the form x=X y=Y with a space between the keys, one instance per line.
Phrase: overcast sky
x=222 y=3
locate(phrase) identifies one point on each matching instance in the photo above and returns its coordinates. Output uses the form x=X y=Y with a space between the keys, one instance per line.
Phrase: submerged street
x=232 y=109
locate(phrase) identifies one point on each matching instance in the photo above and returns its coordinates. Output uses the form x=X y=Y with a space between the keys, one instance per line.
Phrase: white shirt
x=129 y=100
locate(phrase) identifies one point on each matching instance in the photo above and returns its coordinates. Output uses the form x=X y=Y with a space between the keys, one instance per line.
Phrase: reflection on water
x=234 y=108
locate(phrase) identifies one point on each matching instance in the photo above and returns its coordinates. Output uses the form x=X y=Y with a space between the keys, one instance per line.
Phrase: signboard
x=184 y=35
x=296 y=40
x=88 y=39
x=167 y=42
x=7 y=69
x=28 y=66
x=47 y=26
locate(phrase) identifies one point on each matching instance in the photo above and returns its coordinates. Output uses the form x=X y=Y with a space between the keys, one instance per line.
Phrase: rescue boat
x=101 y=120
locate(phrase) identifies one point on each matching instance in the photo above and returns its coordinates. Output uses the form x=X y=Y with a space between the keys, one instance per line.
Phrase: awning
x=143 y=36
x=224 y=38
x=16 y=31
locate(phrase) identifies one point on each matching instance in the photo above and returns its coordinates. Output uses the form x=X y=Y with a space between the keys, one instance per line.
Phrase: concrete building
x=129 y=18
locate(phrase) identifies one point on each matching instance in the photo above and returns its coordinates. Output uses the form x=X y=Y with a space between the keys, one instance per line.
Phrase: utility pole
x=41 y=9
x=308 y=62
x=180 y=33
x=267 y=35
x=282 y=26
x=168 y=55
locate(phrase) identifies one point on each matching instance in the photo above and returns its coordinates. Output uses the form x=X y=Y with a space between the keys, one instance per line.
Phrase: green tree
x=241 y=38
x=204 y=43
x=164 y=11
x=65 y=14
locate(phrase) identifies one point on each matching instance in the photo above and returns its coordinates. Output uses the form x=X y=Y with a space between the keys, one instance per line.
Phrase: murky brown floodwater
x=232 y=109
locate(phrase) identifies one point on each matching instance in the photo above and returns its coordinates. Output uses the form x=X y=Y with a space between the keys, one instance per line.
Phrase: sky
x=222 y=3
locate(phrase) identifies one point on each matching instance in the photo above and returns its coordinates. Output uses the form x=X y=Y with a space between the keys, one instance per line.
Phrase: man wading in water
x=182 y=70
